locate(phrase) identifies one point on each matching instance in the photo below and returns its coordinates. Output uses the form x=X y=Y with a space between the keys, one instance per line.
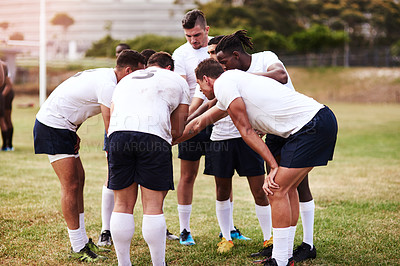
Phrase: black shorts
x=142 y=158
x=192 y=149
x=313 y=145
x=52 y=141
x=8 y=100
x=226 y=156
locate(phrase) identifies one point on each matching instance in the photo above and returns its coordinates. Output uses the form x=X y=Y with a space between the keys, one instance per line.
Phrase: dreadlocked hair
x=234 y=42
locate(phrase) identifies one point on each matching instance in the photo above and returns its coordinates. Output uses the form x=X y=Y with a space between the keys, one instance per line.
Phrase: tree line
x=292 y=26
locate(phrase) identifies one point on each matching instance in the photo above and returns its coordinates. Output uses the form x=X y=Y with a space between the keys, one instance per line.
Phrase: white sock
x=232 y=224
x=280 y=248
x=122 y=227
x=82 y=227
x=264 y=218
x=223 y=210
x=307 y=219
x=75 y=237
x=153 y=230
x=184 y=216
x=292 y=233
x=107 y=206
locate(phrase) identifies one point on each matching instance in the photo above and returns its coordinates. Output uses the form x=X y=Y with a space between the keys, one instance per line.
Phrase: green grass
x=357 y=199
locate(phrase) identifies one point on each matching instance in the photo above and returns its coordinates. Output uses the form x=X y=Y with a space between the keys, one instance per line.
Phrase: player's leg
x=307 y=208
x=107 y=206
x=7 y=119
x=223 y=187
x=66 y=170
x=122 y=223
x=153 y=225
x=263 y=212
x=281 y=208
x=189 y=171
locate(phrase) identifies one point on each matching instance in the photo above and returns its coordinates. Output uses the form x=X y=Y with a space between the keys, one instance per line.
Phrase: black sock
x=10 y=136
x=4 y=137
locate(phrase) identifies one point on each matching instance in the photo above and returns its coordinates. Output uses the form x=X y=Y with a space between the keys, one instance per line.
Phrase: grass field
x=357 y=218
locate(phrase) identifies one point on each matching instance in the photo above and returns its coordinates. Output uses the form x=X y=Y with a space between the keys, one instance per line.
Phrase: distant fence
x=378 y=57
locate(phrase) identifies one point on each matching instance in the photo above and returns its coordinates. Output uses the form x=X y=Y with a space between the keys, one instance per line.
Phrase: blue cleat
x=235 y=234
x=186 y=238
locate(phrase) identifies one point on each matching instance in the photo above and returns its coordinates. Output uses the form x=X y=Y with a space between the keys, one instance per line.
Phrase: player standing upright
x=186 y=58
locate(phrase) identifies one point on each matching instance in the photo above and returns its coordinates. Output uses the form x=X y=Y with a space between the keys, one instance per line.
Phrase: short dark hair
x=210 y=68
x=147 y=53
x=193 y=18
x=130 y=58
x=234 y=42
x=123 y=46
x=161 y=59
x=215 y=40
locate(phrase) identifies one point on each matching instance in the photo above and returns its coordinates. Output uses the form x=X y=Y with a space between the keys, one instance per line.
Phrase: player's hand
x=77 y=144
x=269 y=182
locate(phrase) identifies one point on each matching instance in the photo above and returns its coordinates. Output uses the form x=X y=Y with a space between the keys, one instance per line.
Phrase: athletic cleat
x=264 y=261
x=105 y=239
x=86 y=255
x=266 y=251
x=304 y=252
x=290 y=262
x=225 y=245
x=95 y=248
x=237 y=235
x=186 y=238
x=267 y=261
x=171 y=236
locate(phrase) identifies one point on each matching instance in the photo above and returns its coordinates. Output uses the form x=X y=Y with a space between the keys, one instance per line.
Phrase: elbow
x=283 y=77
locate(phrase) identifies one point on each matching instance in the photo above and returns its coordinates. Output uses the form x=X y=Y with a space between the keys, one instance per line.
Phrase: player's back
x=144 y=100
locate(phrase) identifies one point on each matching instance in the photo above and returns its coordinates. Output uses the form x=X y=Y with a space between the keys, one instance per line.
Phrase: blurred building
x=93 y=19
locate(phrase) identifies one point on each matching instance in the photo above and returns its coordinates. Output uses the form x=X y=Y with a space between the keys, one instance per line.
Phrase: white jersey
x=186 y=59
x=271 y=107
x=260 y=62
x=78 y=98
x=144 y=100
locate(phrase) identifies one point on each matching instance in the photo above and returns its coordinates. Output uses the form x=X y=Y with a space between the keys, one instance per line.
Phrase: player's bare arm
x=106 y=114
x=277 y=72
x=203 y=108
x=199 y=123
x=178 y=119
x=238 y=114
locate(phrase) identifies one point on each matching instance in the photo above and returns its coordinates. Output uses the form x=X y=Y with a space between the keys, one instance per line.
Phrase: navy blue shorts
x=105 y=143
x=192 y=149
x=52 y=141
x=313 y=145
x=142 y=158
x=226 y=156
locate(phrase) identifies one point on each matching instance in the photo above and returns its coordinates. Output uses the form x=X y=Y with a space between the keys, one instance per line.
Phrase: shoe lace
x=184 y=235
x=238 y=231
x=105 y=235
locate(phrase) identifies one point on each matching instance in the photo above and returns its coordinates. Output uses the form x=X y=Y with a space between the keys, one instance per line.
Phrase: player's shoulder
x=182 y=50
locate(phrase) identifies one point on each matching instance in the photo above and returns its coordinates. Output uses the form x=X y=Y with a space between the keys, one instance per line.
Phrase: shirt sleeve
x=179 y=62
x=225 y=91
x=186 y=94
x=271 y=58
x=198 y=93
x=105 y=95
